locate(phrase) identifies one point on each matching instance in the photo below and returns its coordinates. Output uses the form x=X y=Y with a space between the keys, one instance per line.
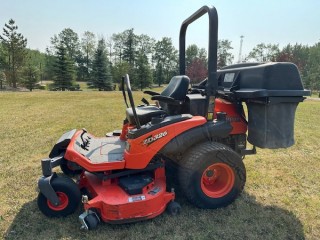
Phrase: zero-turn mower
x=202 y=130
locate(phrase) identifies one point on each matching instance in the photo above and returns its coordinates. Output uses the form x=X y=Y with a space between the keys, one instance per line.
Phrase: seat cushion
x=145 y=114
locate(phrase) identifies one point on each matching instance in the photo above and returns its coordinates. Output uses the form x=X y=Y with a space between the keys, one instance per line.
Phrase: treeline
x=101 y=62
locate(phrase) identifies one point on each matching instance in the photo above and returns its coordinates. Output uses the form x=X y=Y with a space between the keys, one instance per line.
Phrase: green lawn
x=281 y=199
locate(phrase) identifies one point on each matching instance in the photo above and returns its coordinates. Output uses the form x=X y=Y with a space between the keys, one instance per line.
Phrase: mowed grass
x=281 y=199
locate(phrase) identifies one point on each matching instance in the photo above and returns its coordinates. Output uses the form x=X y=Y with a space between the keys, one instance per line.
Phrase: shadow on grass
x=244 y=219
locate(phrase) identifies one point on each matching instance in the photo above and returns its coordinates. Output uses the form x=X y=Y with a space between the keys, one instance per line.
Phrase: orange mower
x=202 y=130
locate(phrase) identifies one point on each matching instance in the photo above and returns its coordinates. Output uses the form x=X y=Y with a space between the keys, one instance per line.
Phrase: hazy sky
x=274 y=21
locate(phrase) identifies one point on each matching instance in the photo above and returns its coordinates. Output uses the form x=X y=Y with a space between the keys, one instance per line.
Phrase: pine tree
x=30 y=76
x=15 y=45
x=143 y=72
x=63 y=69
x=101 y=76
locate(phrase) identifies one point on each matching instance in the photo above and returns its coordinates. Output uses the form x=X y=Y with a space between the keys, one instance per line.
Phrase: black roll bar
x=212 y=83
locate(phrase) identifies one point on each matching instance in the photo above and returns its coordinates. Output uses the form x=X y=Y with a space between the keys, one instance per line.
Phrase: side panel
x=237 y=121
x=142 y=149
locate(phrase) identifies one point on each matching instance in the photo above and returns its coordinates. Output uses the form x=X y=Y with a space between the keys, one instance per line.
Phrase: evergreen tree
x=30 y=76
x=143 y=72
x=63 y=69
x=130 y=44
x=101 y=77
x=15 y=45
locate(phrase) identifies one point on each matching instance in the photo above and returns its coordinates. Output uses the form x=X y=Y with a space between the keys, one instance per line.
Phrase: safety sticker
x=137 y=198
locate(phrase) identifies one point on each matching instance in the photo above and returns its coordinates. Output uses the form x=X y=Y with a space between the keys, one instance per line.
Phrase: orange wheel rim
x=217 y=180
x=64 y=201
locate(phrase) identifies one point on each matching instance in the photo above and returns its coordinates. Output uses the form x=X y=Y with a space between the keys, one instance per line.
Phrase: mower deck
x=118 y=206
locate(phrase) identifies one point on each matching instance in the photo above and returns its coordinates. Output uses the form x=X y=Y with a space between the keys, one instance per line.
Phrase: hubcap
x=217 y=180
x=63 y=198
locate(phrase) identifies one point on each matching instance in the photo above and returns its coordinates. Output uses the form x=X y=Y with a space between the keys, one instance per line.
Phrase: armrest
x=152 y=93
x=166 y=99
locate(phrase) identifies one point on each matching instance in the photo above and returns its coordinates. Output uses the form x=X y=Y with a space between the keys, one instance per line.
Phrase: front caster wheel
x=69 y=196
x=174 y=208
x=92 y=221
x=89 y=220
x=211 y=175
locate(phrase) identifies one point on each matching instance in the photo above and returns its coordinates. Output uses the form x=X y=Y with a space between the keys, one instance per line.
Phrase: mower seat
x=177 y=90
x=144 y=113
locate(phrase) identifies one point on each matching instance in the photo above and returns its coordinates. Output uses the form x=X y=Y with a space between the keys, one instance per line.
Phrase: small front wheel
x=69 y=196
x=174 y=208
x=92 y=221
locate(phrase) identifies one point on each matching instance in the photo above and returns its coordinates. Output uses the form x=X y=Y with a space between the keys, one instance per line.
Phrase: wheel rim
x=64 y=201
x=217 y=180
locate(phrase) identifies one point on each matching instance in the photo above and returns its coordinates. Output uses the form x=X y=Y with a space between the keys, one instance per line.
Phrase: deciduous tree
x=88 y=43
x=197 y=71
x=225 y=57
x=264 y=53
x=166 y=60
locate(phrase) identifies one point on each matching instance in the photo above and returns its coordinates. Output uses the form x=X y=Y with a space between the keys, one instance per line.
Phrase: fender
x=174 y=138
x=139 y=151
x=206 y=132
x=62 y=143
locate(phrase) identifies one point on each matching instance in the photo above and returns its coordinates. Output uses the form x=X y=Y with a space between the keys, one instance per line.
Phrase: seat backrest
x=177 y=89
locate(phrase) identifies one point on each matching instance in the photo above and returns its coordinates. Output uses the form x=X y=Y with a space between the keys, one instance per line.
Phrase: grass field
x=281 y=199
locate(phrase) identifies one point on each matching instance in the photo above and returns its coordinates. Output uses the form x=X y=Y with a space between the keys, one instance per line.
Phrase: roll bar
x=212 y=84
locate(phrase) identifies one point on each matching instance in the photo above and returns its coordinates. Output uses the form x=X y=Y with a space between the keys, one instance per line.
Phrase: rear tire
x=211 y=175
x=68 y=194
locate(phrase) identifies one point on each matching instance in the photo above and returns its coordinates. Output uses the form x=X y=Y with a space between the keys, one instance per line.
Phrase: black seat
x=176 y=90
x=145 y=114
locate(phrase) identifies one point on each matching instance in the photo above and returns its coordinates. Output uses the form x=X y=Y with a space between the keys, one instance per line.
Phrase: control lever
x=145 y=101
x=85 y=142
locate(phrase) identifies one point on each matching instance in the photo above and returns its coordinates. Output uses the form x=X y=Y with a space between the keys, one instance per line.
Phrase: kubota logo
x=152 y=139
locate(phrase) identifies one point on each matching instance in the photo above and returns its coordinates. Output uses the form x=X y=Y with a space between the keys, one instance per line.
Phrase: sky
x=274 y=21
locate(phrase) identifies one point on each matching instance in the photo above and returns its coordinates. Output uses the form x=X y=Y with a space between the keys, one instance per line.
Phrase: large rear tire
x=69 y=196
x=211 y=175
